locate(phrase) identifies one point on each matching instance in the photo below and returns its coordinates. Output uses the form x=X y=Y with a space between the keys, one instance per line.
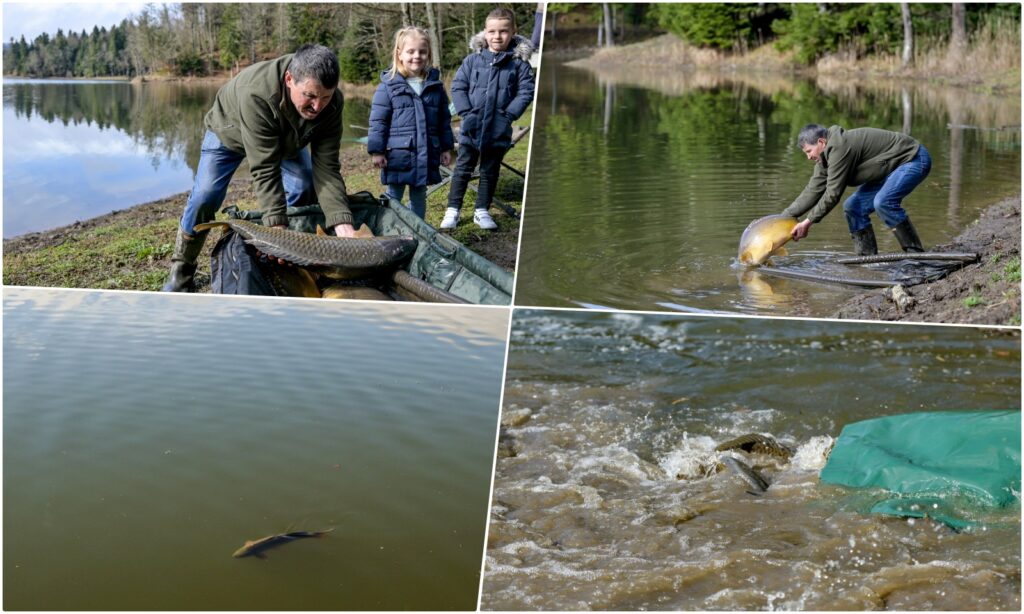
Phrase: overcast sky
x=33 y=18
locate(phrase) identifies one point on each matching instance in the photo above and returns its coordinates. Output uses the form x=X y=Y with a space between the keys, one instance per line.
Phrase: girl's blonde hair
x=400 y=37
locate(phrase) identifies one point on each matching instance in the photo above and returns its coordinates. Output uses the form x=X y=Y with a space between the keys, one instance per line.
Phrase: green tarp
x=932 y=459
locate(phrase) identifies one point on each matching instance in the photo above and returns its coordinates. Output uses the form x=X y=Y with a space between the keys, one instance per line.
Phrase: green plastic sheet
x=932 y=458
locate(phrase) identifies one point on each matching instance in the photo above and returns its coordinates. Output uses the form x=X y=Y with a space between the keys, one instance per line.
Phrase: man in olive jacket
x=886 y=165
x=269 y=114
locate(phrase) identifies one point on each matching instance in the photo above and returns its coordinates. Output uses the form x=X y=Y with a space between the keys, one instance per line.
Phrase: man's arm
x=325 y=150
x=262 y=142
x=841 y=163
x=810 y=195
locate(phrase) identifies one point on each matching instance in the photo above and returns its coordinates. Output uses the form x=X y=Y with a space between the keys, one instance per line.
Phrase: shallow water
x=641 y=183
x=606 y=491
x=147 y=437
x=76 y=149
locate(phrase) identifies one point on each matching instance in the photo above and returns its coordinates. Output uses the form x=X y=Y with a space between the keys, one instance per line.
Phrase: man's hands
x=801 y=230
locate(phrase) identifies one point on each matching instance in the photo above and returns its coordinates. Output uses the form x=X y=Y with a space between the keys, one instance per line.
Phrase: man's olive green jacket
x=851 y=157
x=254 y=115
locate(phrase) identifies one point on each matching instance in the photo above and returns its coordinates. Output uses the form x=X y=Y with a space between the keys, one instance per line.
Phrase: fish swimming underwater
x=765 y=237
x=258 y=547
x=333 y=257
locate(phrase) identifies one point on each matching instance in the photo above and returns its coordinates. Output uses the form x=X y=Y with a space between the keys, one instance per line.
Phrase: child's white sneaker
x=451 y=219
x=483 y=219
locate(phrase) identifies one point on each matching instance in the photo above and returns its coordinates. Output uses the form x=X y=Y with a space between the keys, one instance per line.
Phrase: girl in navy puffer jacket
x=410 y=125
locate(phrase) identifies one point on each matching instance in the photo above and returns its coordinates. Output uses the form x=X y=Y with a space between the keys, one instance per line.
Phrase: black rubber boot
x=864 y=243
x=906 y=234
x=183 y=262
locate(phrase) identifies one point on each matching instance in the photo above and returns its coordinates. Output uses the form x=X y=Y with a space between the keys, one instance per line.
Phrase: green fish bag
x=973 y=454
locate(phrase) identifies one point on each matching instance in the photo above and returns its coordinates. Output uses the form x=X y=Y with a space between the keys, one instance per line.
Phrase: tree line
x=197 y=39
x=811 y=30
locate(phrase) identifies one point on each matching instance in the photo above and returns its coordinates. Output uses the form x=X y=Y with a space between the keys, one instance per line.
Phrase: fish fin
x=320 y=232
x=780 y=251
x=208 y=225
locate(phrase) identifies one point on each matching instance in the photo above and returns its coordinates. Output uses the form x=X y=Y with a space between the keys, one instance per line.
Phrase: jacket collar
x=399 y=82
x=519 y=47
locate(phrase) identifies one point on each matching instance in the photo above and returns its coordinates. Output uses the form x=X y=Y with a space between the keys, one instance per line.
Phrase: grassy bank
x=991 y=62
x=130 y=249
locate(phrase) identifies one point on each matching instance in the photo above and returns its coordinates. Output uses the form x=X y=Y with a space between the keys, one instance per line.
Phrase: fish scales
x=334 y=257
x=760 y=444
x=764 y=237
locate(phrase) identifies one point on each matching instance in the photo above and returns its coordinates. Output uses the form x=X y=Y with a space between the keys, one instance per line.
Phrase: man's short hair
x=315 y=62
x=810 y=134
x=502 y=13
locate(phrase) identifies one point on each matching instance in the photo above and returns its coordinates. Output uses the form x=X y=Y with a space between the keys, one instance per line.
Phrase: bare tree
x=435 y=34
x=958 y=37
x=908 y=35
x=608 y=39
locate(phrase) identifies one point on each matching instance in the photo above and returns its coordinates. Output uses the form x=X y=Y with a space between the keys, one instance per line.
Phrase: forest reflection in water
x=642 y=180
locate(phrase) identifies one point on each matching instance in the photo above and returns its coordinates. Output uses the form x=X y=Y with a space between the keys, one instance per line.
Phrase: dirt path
x=987 y=292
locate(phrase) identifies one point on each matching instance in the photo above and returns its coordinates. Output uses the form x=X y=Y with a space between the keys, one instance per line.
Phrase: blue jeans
x=217 y=164
x=417 y=197
x=885 y=197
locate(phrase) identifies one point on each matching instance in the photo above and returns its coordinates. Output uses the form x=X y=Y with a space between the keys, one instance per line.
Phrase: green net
x=937 y=462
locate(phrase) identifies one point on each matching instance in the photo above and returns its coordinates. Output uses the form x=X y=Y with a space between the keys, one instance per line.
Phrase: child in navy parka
x=410 y=124
x=492 y=88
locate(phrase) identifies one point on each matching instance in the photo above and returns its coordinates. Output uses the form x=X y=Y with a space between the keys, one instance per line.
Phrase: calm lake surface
x=606 y=497
x=74 y=150
x=641 y=183
x=147 y=437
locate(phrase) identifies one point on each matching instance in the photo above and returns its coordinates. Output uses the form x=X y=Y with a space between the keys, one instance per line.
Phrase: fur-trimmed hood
x=520 y=47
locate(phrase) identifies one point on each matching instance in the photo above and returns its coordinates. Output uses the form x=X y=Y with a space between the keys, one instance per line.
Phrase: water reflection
x=157 y=449
x=78 y=149
x=643 y=179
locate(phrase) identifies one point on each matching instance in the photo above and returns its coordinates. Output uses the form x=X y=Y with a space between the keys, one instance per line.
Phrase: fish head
x=245 y=550
x=764 y=237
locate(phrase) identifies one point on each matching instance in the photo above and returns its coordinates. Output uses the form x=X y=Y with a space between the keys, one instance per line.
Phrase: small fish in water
x=749 y=475
x=765 y=238
x=258 y=547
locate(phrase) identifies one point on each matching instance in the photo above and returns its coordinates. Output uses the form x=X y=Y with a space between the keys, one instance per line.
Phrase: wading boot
x=183 y=262
x=906 y=234
x=864 y=242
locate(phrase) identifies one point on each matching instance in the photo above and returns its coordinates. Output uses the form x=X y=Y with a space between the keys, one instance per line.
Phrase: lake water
x=74 y=150
x=606 y=495
x=147 y=437
x=641 y=182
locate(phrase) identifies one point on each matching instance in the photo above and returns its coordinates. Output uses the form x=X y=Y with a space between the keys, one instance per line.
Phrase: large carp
x=334 y=257
x=764 y=238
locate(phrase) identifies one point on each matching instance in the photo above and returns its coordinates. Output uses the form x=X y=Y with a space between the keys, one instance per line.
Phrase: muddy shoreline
x=986 y=292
